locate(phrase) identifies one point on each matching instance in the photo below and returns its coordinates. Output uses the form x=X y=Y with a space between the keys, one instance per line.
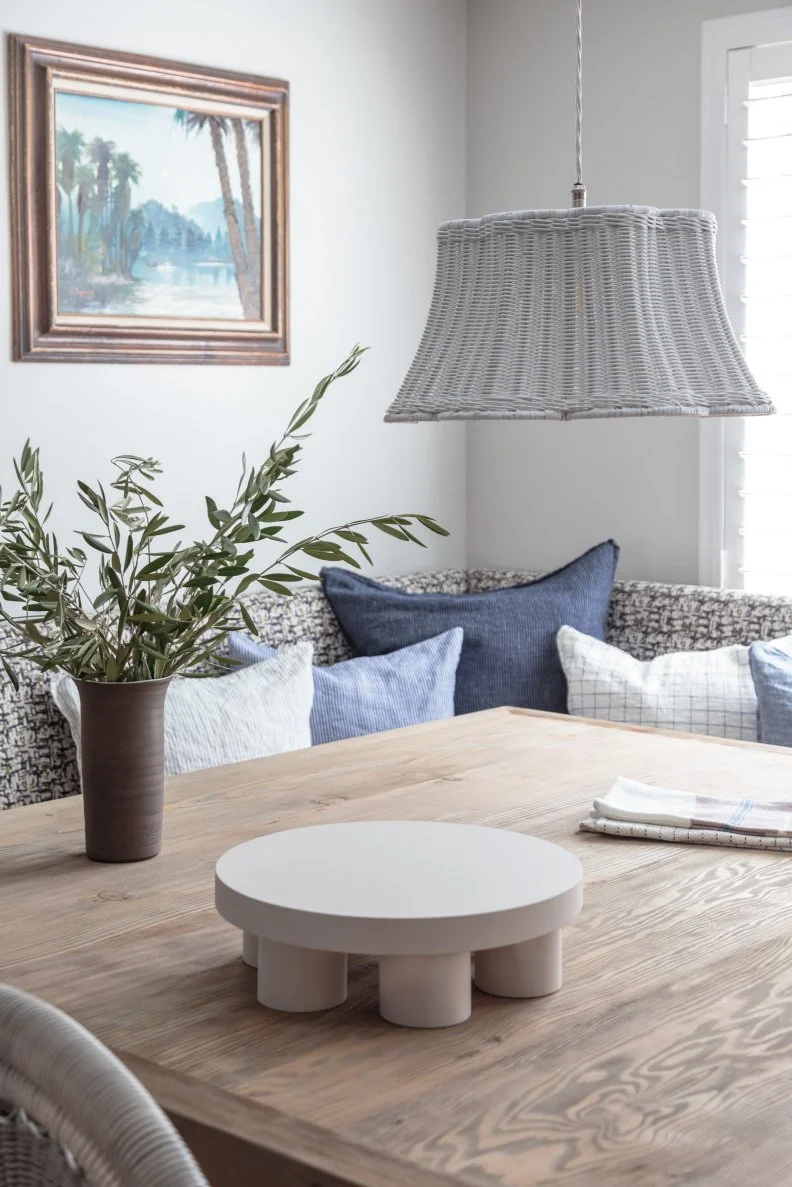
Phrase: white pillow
x=250 y=713
x=701 y=692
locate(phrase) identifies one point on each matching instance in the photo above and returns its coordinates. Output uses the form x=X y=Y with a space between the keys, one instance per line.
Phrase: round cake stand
x=422 y=897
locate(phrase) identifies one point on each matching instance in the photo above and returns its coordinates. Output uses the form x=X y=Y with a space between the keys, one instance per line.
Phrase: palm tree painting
x=159 y=210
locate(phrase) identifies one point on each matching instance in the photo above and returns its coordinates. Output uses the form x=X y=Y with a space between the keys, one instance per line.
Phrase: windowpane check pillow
x=701 y=692
x=209 y=722
x=384 y=692
x=509 y=654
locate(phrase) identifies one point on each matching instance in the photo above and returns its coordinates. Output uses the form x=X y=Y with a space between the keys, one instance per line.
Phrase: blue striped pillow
x=381 y=692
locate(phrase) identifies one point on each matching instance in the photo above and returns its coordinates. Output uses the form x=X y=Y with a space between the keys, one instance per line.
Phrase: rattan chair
x=71 y=1115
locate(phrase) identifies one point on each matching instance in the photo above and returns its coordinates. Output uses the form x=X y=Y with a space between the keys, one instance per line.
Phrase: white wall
x=540 y=493
x=377 y=161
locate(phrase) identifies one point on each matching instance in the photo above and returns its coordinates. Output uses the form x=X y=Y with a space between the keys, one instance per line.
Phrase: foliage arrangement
x=161 y=608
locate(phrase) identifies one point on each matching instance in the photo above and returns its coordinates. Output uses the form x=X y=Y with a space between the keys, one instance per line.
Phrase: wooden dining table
x=665 y=1059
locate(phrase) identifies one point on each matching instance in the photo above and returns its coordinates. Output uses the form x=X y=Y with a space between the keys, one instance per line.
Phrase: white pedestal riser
x=420 y=895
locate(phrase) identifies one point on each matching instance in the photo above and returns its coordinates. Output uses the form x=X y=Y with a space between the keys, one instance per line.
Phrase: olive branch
x=162 y=609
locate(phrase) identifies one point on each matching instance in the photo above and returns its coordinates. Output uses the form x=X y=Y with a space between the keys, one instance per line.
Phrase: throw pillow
x=208 y=722
x=701 y=692
x=509 y=655
x=385 y=692
x=771 y=668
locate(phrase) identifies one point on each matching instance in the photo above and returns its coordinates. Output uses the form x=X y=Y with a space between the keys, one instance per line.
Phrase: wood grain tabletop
x=664 y=1059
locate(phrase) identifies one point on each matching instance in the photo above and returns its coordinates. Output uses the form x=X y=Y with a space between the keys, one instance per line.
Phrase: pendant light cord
x=578 y=189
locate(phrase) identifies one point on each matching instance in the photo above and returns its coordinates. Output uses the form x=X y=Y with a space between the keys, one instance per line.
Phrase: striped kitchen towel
x=632 y=809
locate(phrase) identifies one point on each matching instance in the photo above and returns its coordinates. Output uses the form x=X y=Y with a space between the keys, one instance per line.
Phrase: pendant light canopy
x=577 y=314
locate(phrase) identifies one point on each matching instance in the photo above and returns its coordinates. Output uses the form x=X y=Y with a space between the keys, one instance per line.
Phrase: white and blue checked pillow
x=370 y=694
x=700 y=692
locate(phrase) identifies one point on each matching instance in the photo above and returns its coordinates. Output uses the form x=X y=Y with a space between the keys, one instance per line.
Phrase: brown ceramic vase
x=122 y=750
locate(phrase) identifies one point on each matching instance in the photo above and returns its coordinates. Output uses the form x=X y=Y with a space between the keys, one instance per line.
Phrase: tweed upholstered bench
x=38 y=760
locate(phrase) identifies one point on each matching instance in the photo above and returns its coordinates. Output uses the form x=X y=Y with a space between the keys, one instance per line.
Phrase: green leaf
x=35 y=634
x=281 y=516
x=248 y=621
x=99 y=545
x=172 y=527
x=109 y=595
x=253 y=526
x=200 y=582
x=326 y=550
x=246 y=583
x=303 y=573
x=112 y=578
x=155 y=565
x=149 y=494
x=388 y=529
x=91 y=497
x=10 y=673
x=430 y=525
x=211 y=512
x=151 y=650
x=275 y=587
x=91 y=506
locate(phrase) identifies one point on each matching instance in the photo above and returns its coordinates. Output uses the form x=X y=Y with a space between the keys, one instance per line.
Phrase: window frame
x=719 y=38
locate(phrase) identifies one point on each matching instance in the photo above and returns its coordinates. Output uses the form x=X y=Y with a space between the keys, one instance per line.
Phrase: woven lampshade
x=575 y=314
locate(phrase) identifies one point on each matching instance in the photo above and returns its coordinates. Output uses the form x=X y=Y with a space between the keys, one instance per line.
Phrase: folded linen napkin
x=632 y=809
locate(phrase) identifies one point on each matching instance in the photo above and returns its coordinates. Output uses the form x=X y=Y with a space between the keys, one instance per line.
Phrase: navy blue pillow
x=509 y=654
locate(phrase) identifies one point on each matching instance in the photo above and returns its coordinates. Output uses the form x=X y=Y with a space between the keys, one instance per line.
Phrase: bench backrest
x=38 y=759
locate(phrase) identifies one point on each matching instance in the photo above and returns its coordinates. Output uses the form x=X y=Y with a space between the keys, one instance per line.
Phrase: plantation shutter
x=757 y=261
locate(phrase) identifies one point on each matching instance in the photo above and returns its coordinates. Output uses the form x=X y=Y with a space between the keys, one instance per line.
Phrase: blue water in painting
x=206 y=289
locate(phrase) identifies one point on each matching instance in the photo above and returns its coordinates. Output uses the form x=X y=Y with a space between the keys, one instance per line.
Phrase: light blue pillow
x=771 y=668
x=384 y=692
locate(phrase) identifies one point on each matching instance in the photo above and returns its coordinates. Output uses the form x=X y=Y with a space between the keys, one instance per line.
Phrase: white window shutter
x=757 y=263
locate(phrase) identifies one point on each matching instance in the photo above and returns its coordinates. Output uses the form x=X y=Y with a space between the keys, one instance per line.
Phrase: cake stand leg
x=250 y=949
x=531 y=969
x=425 y=991
x=300 y=979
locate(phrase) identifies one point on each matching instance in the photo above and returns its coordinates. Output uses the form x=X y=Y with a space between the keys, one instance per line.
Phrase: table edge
x=245 y=1142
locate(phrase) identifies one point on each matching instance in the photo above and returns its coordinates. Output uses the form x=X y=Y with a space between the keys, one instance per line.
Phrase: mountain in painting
x=210 y=216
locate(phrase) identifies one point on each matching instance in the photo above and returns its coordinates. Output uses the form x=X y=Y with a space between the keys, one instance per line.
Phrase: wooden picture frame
x=97 y=278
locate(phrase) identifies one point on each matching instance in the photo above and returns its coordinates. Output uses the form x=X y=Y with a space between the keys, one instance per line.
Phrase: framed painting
x=148 y=209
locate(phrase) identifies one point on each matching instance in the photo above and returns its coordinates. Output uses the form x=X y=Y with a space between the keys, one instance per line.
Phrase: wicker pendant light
x=577 y=314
